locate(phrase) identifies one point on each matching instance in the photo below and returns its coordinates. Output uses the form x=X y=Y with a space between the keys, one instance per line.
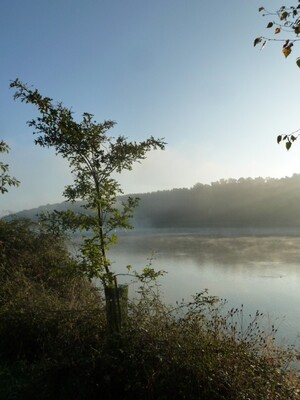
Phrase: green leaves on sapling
x=94 y=157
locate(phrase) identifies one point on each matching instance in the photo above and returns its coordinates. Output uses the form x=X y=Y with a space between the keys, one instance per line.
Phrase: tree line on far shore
x=245 y=202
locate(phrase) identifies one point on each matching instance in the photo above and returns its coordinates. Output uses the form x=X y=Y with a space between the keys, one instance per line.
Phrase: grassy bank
x=54 y=342
x=54 y=350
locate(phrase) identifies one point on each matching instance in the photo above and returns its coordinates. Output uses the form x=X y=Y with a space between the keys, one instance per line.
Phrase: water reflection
x=263 y=273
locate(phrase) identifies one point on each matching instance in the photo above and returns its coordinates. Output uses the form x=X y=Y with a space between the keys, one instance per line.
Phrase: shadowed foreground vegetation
x=54 y=342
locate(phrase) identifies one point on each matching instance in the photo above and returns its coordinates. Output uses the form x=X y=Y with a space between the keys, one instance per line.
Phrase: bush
x=54 y=343
x=191 y=352
x=195 y=351
x=47 y=319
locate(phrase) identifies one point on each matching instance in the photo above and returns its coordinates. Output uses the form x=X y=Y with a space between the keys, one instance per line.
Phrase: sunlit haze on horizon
x=185 y=71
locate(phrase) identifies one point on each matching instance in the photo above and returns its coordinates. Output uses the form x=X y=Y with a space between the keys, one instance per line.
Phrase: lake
x=257 y=268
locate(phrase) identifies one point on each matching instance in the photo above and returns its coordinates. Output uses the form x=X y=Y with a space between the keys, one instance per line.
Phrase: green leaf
x=279 y=138
x=288 y=145
x=284 y=15
x=293 y=138
x=298 y=62
x=270 y=24
x=257 y=40
x=260 y=9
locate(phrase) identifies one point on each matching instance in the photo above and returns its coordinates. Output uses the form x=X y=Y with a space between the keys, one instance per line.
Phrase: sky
x=182 y=70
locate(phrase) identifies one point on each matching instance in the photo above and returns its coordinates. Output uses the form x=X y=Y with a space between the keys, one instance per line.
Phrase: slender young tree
x=94 y=158
x=5 y=178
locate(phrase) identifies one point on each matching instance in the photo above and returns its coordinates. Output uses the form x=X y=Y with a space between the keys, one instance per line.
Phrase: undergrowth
x=54 y=342
x=54 y=350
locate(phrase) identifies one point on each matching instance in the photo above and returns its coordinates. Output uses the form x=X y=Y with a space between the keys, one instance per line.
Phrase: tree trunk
x=116 y=307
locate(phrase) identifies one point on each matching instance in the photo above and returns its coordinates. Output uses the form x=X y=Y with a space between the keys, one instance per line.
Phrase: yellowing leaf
x=277 y=30
x=284 y=15
x=286 y=51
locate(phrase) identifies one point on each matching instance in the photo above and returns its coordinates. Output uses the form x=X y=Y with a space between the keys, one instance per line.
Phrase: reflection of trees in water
x=224 y=250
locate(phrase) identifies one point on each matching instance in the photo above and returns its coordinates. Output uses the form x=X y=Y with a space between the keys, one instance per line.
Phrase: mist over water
x=255 y=269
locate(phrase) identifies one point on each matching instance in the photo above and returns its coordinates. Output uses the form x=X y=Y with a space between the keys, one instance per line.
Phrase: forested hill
x=246 y=202
x=227 y=203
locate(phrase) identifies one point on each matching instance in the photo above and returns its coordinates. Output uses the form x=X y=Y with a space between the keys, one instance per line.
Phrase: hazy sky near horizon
x=183 y=70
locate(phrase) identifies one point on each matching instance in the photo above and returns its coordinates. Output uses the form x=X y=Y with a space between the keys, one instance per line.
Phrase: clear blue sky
x=185 y=70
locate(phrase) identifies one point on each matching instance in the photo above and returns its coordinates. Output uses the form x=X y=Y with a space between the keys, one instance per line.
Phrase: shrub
x=54 y=342
x=182 y=354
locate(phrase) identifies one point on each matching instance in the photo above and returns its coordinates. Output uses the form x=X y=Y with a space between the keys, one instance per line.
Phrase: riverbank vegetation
x=54 y=342
x=239 y=203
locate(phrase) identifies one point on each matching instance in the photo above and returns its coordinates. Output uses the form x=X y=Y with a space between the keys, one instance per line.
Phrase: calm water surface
x=261 y=272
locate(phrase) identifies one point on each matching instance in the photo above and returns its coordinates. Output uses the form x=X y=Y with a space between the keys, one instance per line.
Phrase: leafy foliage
x=5 y=178
x=286 y=21
x=94 y=157
x=27 y=247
